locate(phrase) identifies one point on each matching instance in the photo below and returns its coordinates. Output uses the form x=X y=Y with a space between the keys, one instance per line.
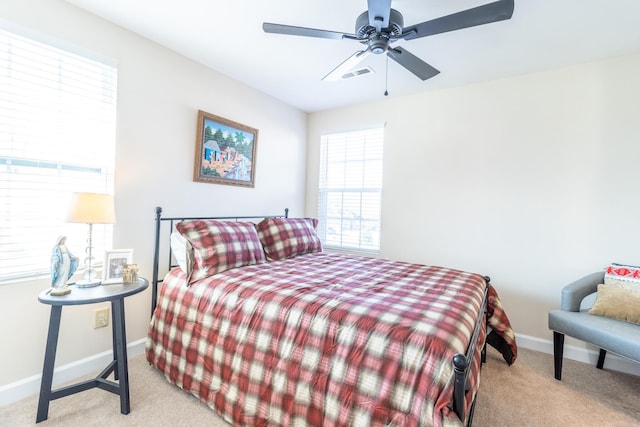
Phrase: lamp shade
x=92 y=208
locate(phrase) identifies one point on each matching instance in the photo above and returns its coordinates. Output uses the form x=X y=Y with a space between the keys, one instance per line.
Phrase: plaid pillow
x=623 y=276
x=221 y=245
x=288 y=237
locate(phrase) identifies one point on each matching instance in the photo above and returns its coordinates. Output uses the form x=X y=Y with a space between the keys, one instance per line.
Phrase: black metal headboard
x=171 y=221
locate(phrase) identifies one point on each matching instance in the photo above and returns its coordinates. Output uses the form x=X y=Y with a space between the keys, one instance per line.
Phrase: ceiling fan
x=380 y=26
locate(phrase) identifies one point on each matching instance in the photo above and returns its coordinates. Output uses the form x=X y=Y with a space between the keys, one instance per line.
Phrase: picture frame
x=114 y=263
x=225 y=151
x=130 y=273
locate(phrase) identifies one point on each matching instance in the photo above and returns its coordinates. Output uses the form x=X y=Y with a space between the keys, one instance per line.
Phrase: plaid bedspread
x=320 y=340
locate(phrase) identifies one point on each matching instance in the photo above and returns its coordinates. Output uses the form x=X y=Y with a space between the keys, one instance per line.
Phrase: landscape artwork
x=225 y=151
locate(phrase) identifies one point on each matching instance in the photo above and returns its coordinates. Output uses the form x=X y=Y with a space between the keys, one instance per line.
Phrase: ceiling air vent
x=357 y=73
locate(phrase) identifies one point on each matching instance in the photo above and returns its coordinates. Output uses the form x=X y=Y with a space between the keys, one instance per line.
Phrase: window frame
x=41 y=222
x=370 y=183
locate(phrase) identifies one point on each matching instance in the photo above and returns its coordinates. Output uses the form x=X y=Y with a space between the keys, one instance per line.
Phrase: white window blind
x=350 y=189
x=57 y=136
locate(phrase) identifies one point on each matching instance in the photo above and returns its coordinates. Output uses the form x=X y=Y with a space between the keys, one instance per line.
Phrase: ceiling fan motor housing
x=379 y=42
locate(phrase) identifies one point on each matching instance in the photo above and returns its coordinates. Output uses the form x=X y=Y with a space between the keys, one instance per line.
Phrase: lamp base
x=88 y=283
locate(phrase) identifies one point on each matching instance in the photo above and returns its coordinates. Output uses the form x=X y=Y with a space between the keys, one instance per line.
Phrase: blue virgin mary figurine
x=63 y=265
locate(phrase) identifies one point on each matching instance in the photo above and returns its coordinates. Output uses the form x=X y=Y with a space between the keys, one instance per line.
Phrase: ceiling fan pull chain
x=386 y=77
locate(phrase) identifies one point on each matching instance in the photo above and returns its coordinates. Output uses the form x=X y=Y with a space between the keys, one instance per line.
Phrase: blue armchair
x=617 y=336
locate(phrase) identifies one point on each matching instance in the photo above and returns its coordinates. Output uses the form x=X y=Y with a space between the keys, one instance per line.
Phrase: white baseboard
x=612 y=361
x=26 y=387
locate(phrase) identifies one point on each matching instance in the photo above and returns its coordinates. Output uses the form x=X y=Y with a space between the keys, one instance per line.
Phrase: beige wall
x=531 y=180
x=159 y=93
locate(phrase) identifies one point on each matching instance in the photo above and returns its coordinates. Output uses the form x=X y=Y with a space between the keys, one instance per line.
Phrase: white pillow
x=182 y=252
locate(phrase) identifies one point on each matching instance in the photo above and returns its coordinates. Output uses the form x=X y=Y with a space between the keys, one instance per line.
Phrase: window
x=57 y=136
x=350 y=189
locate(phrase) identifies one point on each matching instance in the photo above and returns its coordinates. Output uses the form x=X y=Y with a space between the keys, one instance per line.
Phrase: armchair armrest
x=574 y=293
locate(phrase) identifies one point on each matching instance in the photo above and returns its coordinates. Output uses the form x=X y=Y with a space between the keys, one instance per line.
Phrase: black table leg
x=122 y=370
x=114 y=334
x=49 y=363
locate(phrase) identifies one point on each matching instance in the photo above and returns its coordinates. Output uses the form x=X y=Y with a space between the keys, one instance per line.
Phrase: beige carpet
x=525 y=394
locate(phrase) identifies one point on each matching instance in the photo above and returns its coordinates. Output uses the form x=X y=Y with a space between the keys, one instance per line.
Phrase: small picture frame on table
x=130 y=274
x=114 y=265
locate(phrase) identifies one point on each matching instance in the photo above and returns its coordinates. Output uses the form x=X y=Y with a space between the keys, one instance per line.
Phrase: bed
x=257 y=321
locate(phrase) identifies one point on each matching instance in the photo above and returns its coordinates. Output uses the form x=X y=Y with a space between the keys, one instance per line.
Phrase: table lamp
x=91 y=208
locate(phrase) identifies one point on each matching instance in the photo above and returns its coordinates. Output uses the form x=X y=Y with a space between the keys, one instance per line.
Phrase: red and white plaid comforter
x=319 y=340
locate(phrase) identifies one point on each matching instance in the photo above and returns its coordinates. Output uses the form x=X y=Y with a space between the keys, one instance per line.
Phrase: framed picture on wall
x=114 y=265
x=225 y=151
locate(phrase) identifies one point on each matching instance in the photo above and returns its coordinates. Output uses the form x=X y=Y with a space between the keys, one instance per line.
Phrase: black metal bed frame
x=461 y=362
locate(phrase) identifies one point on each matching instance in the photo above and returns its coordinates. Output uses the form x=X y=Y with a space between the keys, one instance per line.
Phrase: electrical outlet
x=101 y=318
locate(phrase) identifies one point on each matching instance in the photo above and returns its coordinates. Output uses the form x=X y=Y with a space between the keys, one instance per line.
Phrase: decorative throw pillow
x=288 y=237
x=617 y=303
x=623 y=276
x=221 y=245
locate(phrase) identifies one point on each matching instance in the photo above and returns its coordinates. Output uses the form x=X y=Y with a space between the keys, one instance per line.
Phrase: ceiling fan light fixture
x=378 y=43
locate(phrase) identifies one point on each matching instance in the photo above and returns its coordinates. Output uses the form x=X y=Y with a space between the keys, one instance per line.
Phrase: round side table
x=114 y=293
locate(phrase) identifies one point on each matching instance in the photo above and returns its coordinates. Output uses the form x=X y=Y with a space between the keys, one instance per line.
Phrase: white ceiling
x=227 y=35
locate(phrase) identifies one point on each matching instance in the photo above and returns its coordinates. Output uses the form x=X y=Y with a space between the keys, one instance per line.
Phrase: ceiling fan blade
x=485 y=14
x=301 y=31
x=379 y=11
x=346 y=66
x=412 y=63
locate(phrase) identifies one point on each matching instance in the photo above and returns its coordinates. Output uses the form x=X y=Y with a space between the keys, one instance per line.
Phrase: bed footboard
x=462 y=363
